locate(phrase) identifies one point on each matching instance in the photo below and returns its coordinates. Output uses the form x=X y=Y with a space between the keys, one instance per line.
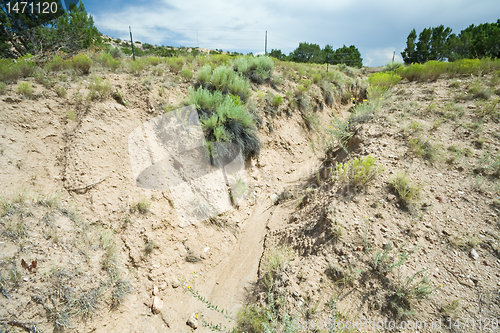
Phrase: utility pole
x=132 y=42
x=327 y=58
x=265 y=50
x=393 y=54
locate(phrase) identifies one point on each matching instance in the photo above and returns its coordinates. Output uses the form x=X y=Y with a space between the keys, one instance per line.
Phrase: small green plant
x=385 y=261
x=25 y=89
x=416 y=286
x=61 y=91
x=3 y=88
x=338 y=134
x=409 y=193
x=120 y=289
x=56 y=64
x=142 y=206
x=425 y=149
x=358 y=172
x=274 y=263
x=149 y=246
x=82 y=63
x=277 y=101
x=71 y=115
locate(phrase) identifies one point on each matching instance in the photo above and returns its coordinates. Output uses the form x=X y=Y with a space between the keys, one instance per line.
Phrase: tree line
x=312 y=53
x=440 y=43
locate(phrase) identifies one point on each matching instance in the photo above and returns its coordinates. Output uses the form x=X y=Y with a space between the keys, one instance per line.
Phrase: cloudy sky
x=376 y=27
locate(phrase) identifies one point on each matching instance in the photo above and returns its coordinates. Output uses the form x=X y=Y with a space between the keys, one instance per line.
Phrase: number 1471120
x=22 y=7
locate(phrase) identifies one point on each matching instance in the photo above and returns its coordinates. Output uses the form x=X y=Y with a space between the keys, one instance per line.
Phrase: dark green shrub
x=224 y=119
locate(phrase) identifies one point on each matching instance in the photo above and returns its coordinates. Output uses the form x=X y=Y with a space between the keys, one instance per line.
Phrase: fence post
x=132 y=42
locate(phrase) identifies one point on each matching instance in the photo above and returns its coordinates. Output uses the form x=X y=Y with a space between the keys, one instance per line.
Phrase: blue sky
x=376 y=28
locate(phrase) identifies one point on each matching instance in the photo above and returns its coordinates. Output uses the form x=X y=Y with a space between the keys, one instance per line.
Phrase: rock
x=163 y=286
x=474 y=254
x=176 y=284
x=391 y=197
x=192 y=321
x=155 y=290
x=166 y=319
x=157 y=305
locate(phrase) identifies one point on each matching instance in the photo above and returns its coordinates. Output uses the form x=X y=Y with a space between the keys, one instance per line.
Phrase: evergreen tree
x=306 y=53
x=33 y=33
x=348 y=55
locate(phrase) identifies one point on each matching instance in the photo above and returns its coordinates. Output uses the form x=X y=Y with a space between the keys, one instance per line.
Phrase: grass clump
x=61 y=91
x=25 y=89
x=82 y=63
x=414 y=287
x=337 y=134
x=224 y=119
x=409 y=193
x=3 y=88
x=276 y=101
x=99 y=89
x=274 y=264
x=107 y=60
x=425 y=149
x=358 y=172
x=142 y=206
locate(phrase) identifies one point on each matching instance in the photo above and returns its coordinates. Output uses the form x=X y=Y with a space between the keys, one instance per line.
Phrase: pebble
x=192 y=321
x=157 y=305
x=474 y=254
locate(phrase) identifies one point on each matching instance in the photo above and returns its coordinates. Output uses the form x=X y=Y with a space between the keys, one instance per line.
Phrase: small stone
x=176 y=284
x=474 y=254
x=391 y=197
x=163 y=286
x=155 y=290
x=192 y=321
x=157 y=305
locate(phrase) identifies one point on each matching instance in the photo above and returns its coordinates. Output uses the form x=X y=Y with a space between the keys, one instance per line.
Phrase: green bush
x=138 y=66
x=116 y=53
x=337 y=134
x=107 y=60
x=225 y=79
x=3 y=88
x=154 y=61
x=225 y=119
x=360 y=171
x=186 y=74
x=25 y=89
x=277 y=100
x=26 y=66
x=56 y=64
x=82 y=63
x=204 y=74
x=258 y=69
x=384 y=80
x=175 y=64
x=8 y=71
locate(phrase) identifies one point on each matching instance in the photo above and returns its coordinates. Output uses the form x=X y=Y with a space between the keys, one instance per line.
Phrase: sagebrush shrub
x=25 y=89
x=82 y=63
x=56 y=64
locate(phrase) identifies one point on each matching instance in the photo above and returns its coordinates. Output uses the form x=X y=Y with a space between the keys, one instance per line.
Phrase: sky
x=378 y=28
